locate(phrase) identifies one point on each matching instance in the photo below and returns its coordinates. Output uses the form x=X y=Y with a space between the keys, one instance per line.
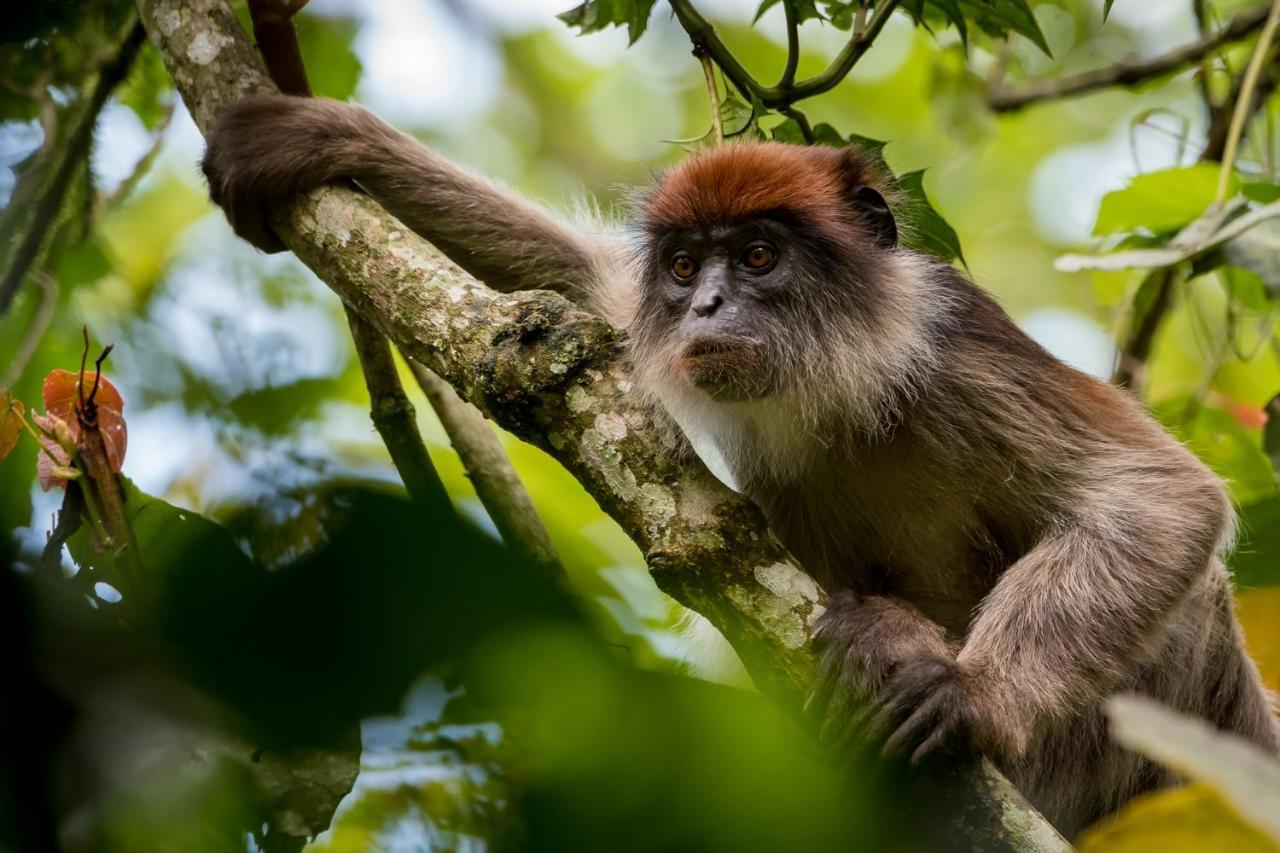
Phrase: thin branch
x=797 y=115
x=713 y=97
x=392 y=414
x=1244 y=100
x=142 y=167
x=853 y=50
x=46 y=199
x=394 y=418
x=793 y=44
x=490 y=471
x=1136 y=348
x=1131 y=361
x=39 y=325
x=704 y=37
x=1129 y=73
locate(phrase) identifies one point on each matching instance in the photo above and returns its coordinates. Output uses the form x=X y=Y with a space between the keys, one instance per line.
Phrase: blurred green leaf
x=333 y=69
x=1258 y=251
x=929 y=232
x=148 y=91
x=1246 y=778
x=597 y=14
x=166 y=537
x=1192 y=819
x=1255 y=562
x=1161 y=202
x=1106 y=9
x=1245 y=287
x=805 y=9
x=1271 y=442
x=1263 y=192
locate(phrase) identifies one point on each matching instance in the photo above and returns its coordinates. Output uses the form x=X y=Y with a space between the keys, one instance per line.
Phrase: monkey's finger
x=934 y=743
x=923 y=721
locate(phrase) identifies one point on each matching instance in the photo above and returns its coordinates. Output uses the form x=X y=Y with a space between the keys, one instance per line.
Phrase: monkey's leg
x=862 y=642
x=267 y=147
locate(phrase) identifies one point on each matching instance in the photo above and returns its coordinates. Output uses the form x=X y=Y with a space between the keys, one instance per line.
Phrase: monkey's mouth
x=724 y=367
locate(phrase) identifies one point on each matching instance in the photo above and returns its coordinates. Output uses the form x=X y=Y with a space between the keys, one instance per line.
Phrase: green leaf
x=1246 y=287
x=1255 y=562
x=1271 y=444
x=805 y=10
x=929 y=232
x=333 y=69
x=1258 y=251
x=789 y=132
x=1263 y=192
x=1106 y=9
x=166 y=537
x=1160 y=202
x=598 y=14
x=996 y=18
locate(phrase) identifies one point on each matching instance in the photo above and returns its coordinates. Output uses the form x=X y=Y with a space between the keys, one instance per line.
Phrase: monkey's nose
x=705 y=304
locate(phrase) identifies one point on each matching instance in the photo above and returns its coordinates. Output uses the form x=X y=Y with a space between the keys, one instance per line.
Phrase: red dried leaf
x=62 y=397
x=10 y=422
x=51 y=453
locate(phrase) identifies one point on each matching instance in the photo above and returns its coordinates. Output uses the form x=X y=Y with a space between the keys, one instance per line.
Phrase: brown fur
x=1008 y=541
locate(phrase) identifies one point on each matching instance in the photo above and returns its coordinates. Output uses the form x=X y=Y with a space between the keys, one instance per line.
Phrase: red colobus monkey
x=1008 y=541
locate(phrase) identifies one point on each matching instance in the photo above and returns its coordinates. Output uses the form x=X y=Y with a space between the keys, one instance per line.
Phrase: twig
x=853 y=50
x=486 y=463
x=713 y=97
x=46 y=202
x=1131 y=361
x=704 y=37
x=39 y=325
x=392 y=414
x=142 y=167
x=393 y=417
x=1130 y=73
x=793 y=45
x=490 y=471
x=1244 y=100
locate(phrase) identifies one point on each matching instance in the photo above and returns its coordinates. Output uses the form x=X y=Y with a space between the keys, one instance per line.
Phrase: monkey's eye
x=759 y=257
x=683 y=267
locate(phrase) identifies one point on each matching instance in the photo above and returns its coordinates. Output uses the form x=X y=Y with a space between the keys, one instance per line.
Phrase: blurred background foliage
x=323 y=633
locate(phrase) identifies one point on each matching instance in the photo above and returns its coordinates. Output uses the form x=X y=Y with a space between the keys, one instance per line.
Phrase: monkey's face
x=761 y=261
x=716 y=287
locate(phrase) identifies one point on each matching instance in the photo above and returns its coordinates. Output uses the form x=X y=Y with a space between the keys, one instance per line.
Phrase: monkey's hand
x=863 y=643
x=933 y=705
x=264 y=148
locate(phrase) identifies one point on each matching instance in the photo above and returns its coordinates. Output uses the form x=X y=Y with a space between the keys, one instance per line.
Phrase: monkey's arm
x=1072 y=619
x=267 y=147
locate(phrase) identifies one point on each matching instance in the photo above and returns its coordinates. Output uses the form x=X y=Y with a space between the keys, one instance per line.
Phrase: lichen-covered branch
x=550 y=373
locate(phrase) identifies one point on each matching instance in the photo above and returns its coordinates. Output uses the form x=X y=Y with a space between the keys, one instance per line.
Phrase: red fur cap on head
x=735 y=182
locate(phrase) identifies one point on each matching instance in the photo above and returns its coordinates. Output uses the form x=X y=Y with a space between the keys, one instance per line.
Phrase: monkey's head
x=767 y=267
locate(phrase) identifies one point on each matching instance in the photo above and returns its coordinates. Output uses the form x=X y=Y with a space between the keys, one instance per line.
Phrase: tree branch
x=496 y=482
x=392 y=414
x=40 y=200
x=785 y=93
x=1131 y=73
x=550 y=374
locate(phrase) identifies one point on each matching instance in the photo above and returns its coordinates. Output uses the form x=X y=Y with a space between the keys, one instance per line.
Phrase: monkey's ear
x=876 y=213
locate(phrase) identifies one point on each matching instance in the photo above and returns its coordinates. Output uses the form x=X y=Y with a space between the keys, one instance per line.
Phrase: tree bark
x=550 y=373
